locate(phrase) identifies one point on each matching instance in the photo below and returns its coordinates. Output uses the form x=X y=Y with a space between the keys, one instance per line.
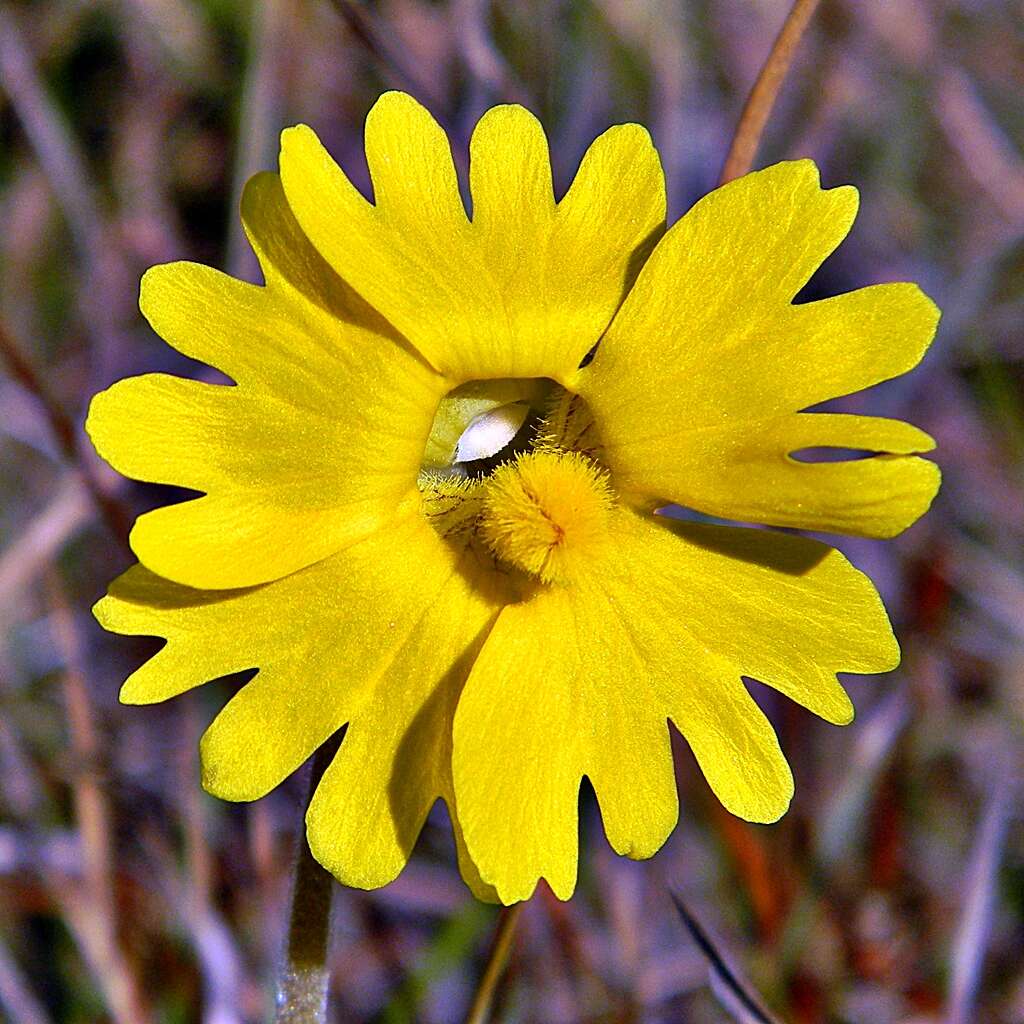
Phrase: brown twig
x=65 y=433
x=762 y=97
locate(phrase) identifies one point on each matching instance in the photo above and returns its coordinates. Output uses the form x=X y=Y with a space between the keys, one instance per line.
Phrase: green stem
x=302 y=988
x=501 y=947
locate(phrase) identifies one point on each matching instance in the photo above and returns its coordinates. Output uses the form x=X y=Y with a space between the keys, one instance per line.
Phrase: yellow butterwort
x=494 y=630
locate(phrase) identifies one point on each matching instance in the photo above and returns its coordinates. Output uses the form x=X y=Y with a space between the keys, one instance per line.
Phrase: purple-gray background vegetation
x=892 y=892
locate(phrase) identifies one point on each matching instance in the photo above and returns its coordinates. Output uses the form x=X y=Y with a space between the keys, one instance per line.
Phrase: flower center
x=513 y=469
x=546 y=512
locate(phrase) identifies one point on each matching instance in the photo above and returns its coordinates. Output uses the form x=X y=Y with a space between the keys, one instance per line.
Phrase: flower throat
x=513 y=467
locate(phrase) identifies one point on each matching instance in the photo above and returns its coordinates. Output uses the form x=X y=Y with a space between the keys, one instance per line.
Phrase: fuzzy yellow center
x=546 y=512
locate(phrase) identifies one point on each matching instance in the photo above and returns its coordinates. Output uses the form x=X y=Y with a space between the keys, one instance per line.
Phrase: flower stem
x=762 y=97
x=501 y=947
x=302 y=988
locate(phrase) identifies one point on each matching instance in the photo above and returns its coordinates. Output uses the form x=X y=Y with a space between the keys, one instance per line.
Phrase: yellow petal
x=317 y=446
x=379 y=636
x=395 y=760
x=788 y=611
x=534 y=718
x=664 y=626
x=745 y=471
x=748 y=246
x=527 y=288
x=282 y=337
x=697 y=383
x=354 y=610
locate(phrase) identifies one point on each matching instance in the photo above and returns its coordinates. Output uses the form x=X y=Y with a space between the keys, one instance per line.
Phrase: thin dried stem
x=96 y=912
x=497 y=961
x=65 y=433
x=302 y=990
x=762 y=97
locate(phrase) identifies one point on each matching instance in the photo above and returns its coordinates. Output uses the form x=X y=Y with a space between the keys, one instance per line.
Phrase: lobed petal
x=534 y=718
x=746 y=471
x=527 y=287
x=378 y=636
x=395 y=760
x=318 y=444
x=700 y=379
x=664 y=627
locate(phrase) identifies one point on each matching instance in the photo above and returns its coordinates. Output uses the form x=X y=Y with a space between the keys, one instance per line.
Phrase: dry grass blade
x=261 y=120
x=976 y=921
x=482 y=57
x=987 y=154
x=220 y=961
x=734 y=994
x=49 y=134
x=843 y=818
x=40 y=540
x=65 y=433
x=16 y=999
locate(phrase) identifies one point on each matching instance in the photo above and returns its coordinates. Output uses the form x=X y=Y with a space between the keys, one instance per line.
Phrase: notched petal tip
x=162 y=283
x=890 y=652
x=521 y=892
x=397 y=113
x=929 y=308
x=138 y=689
x=224 y=785
x=361 y=862
x=228 y=769
x=325 y=853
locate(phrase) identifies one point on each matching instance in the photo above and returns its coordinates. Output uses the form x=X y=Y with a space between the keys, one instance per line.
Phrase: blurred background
x=893 y=891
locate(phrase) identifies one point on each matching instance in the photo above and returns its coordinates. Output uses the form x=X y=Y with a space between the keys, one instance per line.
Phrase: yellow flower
x=494 y=631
